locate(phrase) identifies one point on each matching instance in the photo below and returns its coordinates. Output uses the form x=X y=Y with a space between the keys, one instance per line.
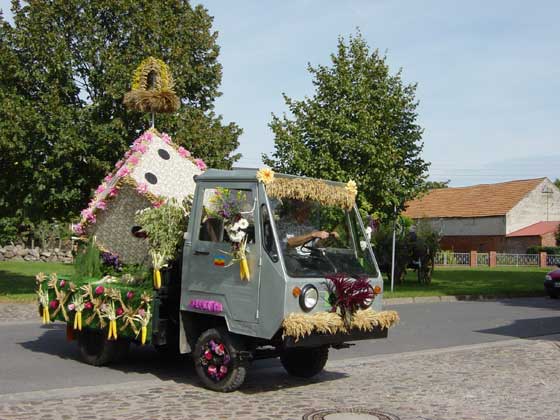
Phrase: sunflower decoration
x=352 y=187
x=152 y=88
x=265 y=175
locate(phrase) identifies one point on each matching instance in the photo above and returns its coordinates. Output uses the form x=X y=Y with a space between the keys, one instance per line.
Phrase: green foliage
x=65 y=66
x=434 y=185
x=412 y=245
x=8 y=230
x=557 y=236
x=88 y=261
x=550 y=250
x=165 y=226
x=360 y=124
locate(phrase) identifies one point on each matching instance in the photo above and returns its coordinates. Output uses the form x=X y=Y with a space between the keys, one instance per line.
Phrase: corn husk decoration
x=238 y=237
x=108 y=311
x=143 y=317
x=61 y=296
x=44 y=302
x=158 y=261
x=78 y=304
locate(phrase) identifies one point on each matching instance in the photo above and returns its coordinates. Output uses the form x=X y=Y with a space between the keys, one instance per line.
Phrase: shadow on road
x=542 y=328
x=263 y=375
x=532 y=302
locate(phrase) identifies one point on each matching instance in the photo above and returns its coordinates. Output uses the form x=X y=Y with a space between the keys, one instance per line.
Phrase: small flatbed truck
x=271 y=266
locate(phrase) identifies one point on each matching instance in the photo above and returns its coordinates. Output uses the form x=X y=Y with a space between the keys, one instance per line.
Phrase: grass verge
x=452 y=281
x=17 y=279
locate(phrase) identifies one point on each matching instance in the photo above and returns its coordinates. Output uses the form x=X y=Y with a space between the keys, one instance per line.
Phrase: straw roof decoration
x=299 y=325
x=327 y=194
x=152 y=88
x=124 y=174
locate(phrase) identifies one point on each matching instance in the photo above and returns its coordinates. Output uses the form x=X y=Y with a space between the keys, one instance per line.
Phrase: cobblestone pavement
x=509 y=380
x=10 y=312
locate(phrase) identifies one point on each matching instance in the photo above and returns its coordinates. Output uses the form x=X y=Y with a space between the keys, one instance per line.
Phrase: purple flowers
x=110 y=259
x=206 y=305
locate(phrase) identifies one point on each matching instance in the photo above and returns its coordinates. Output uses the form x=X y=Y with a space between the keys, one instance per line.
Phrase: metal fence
x=483 y=259
x=517 y=259
x=502 y=259
x=552 y=259
x=453 y=258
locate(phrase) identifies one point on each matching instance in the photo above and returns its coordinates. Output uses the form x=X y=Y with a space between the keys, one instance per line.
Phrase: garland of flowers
x=216 y=360
x=347 y=295
x=229 y=209
x=114 y=181
x=326 y=193
x=100 y=305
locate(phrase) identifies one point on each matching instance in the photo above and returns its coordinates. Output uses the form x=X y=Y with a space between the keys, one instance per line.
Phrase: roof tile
x=474 y=201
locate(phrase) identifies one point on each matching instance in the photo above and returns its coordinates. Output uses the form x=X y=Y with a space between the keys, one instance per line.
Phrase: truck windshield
x=318 y=240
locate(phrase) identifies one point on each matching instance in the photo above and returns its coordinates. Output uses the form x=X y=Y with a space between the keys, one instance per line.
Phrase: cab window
x=227 y=215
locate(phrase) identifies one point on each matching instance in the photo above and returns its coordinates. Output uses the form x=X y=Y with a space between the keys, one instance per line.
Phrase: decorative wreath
x=152 y=88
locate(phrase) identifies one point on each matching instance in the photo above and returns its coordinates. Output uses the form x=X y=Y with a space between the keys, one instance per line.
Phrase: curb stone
x=457 y=298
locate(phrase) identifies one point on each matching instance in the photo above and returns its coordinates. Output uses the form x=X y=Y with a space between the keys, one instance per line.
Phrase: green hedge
x=550 y=250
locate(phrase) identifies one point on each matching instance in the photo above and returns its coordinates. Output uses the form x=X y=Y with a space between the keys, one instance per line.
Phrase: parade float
x=227 y=265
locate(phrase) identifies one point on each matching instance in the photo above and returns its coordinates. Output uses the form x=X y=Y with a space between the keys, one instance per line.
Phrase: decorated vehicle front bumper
x=318 y=339
x=329 y=328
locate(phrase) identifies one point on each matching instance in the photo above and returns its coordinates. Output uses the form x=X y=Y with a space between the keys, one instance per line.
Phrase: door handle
x=201 y=252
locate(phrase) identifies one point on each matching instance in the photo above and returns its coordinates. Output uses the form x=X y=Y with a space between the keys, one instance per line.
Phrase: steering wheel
x=309 y=248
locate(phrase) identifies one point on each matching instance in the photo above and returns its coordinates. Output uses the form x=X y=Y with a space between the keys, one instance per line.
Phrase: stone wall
x=19 y=253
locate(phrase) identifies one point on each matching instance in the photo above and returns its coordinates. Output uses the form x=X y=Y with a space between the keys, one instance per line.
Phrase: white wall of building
x=469 y=226
x=537 y=206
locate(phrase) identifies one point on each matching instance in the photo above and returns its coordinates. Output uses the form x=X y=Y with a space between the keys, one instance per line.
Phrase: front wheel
x=304 y=362
x=217 y=362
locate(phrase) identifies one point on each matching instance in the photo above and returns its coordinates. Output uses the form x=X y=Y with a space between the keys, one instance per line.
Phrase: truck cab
x=273 y=268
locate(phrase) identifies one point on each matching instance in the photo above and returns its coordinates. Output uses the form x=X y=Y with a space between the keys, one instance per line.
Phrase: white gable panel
x=165 y=172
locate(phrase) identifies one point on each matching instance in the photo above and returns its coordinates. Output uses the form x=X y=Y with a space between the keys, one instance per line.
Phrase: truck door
x=211 y=271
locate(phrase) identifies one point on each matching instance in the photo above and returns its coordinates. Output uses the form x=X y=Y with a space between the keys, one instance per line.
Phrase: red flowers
x=99 y=290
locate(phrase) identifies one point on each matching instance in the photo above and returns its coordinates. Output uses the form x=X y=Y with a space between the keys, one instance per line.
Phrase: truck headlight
x=309 y=297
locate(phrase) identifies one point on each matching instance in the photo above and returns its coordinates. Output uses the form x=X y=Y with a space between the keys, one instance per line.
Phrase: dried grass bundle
x=297 y=325
x=163 y=101
x=311 y=189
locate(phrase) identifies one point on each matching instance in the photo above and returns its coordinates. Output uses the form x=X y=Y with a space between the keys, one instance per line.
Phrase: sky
x=488 y=74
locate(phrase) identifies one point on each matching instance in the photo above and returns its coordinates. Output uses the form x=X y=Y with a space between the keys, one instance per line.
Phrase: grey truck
x=297 y=232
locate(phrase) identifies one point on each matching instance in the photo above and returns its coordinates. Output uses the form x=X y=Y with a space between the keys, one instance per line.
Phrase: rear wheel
x=97 y=350
x=217 y=362
x=305 y=362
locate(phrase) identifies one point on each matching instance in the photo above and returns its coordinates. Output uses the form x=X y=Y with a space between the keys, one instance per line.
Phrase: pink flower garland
x=200 y=164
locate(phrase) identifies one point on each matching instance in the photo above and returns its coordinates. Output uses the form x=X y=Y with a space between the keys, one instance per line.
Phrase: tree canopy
x=65 y=66
x=434 y=185
x=359 y=124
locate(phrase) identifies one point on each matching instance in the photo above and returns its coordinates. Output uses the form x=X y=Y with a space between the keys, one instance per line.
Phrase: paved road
x=35 y=358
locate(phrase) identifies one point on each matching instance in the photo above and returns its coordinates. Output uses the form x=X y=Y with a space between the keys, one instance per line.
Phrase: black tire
x=553 y=295
x=304 y=362
x=96 y=350
x=236 y=369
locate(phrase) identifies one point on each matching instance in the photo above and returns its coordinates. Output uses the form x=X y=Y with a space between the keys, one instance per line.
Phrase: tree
x=360 y=124
x=65 y=66
x=557 y=182
x=434 y=185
